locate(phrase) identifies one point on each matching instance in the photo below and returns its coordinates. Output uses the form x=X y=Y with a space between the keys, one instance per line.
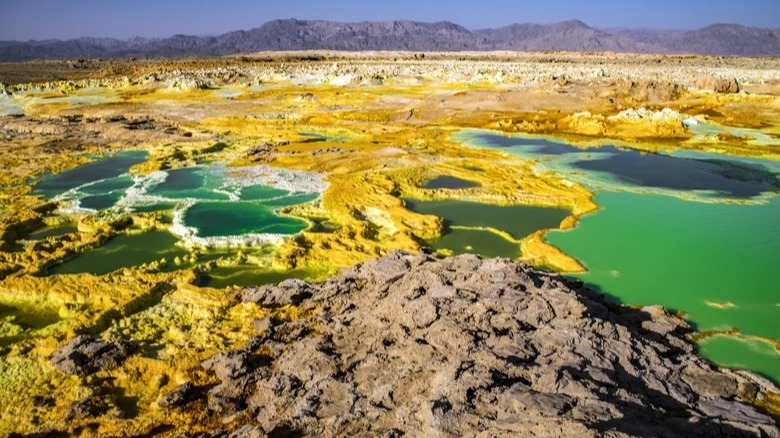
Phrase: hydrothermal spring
x=694 y=232
x=211 y=206
x=488 y=230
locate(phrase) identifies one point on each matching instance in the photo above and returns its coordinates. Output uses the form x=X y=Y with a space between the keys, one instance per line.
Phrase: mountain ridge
x=294 y=34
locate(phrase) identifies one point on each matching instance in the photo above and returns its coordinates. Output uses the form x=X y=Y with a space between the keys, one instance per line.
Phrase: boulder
x=89 y=407
x=718 y=85
x=179 y=396
x=86 y=355
x=288 y=292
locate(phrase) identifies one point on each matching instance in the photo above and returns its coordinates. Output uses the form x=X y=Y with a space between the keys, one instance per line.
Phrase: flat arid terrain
x=390 y=244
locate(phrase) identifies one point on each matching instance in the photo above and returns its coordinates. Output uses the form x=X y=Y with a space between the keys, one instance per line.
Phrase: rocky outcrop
x=180 y=396
x=89 y=407
x=292 y=291
x=718 y=85
x=652 y=91
x=188 y=84
x=408 y=345
x=86 y=355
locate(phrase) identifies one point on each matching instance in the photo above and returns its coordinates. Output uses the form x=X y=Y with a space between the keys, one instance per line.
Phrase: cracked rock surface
x=409 y=345
x=86 y=355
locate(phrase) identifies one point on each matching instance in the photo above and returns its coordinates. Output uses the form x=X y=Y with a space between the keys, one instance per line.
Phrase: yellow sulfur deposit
x=375 y=130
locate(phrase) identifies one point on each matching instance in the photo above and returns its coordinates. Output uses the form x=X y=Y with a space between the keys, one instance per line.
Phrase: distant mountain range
x=292 y=34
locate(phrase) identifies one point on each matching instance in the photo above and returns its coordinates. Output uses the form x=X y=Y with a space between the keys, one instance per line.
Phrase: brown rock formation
x=408 y=345
x=718 y=85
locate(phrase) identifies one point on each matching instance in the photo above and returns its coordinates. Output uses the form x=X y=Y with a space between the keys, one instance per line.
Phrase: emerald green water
x=754 y=354
x=249 y=275
x=123 y=251
x=668 y=233
x=516 y=220
x=190 y=182
x=653 y=249
x=100 y=202
x=54 y=184
x=484 y=243
x=208 y=202
x=236 y=218
x=108 y=185
x=684 y=255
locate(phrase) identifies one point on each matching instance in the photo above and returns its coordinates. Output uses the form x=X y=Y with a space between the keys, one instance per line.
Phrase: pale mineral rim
x=234 y=179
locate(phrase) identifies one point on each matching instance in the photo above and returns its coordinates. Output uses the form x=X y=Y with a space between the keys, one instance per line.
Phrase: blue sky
x=42 y=19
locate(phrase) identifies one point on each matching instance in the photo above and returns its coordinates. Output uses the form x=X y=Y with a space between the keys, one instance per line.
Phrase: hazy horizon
x=24 y=20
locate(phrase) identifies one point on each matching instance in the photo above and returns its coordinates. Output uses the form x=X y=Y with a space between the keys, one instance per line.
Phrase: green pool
x=473 y=227
x=694 y=232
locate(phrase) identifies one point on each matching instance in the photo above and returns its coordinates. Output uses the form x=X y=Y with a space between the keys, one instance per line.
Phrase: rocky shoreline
x=411 y=345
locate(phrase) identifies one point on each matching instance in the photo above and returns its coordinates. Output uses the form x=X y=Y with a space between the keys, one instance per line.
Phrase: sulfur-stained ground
x=383 y=125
